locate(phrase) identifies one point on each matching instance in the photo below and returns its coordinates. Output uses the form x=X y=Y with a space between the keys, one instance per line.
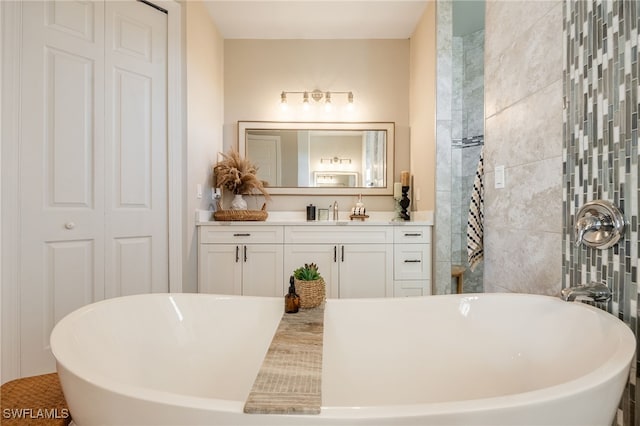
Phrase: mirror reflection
x=320 y=157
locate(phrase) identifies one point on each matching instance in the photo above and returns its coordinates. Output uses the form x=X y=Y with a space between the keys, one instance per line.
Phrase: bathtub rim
x=618 y=363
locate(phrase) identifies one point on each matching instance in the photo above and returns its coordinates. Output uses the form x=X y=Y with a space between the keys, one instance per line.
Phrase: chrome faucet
x=596 y=292
x=335 y=210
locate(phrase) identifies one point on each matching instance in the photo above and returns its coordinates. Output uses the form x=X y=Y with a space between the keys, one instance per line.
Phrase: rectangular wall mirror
x=321 y=158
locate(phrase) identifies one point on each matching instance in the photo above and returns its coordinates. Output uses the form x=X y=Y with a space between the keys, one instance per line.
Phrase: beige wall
x=204 y=88
x=377 y=71
x=422 y=115
x=523 y=132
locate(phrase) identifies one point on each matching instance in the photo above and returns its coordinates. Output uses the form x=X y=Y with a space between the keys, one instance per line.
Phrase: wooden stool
x=457 y=272
x=35 y=400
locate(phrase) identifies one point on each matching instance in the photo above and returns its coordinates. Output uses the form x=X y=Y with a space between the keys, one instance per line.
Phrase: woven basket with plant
x=310 y=285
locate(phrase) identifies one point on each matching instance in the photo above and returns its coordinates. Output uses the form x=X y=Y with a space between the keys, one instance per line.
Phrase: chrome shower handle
x=589 y=223
x=599 y=224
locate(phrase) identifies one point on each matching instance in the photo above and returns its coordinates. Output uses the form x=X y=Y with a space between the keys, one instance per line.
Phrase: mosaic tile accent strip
x=600 y=152
x=289 y=381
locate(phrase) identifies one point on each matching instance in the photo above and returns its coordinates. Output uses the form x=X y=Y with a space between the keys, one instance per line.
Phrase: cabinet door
x=366 y=270
x=262 y=270
x=323 y=255
x=220 y=269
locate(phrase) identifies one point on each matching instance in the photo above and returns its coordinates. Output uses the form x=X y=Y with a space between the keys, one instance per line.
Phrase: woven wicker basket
x=312 y=293
x=239 y=215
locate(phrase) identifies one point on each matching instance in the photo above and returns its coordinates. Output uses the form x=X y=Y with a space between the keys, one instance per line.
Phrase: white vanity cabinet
x=412 y=261
x=355 y=261
x=240 y=260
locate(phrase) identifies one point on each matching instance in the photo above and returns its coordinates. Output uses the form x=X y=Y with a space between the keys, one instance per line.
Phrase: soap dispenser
x=291 y=300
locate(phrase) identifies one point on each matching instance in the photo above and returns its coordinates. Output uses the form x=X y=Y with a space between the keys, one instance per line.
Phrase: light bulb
x=305 y=101
x=327 y=102
x=350 y=106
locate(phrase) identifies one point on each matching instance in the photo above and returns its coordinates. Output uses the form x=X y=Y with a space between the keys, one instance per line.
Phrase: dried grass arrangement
x=238 y=175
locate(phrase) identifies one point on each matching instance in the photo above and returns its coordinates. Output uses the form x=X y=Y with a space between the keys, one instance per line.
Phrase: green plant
x=308 y=272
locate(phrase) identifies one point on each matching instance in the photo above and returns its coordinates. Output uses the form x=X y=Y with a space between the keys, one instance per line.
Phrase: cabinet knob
x=69 y=225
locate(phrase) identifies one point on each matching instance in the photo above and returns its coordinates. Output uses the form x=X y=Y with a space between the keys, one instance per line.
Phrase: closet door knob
x=69 y=225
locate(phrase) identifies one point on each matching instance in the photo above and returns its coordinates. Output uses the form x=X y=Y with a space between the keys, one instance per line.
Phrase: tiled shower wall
x=444 y=94
x=453 y=121
x=600 y=151
x=523 y=132
x=467 y=122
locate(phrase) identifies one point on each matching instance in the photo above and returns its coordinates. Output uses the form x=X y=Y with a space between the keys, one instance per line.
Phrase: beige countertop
x=289 y=218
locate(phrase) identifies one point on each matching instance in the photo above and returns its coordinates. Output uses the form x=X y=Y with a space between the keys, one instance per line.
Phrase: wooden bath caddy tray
x=289 y=381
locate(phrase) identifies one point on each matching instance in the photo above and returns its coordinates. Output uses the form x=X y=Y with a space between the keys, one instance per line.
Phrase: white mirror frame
x=389 y=127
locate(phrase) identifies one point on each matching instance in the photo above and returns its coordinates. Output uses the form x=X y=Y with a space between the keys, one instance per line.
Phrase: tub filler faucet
x=596 y=292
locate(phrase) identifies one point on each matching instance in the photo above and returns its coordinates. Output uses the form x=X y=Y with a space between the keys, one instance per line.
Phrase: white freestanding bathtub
x=487 y=359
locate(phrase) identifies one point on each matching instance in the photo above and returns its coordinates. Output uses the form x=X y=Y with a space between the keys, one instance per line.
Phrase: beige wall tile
x=532 y=198
x=509 y=19
x=523 y=122
x=532 y=61
x=530 y=130
x=523 y=262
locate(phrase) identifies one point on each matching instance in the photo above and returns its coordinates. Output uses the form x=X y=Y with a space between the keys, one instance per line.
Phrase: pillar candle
x=397 y=190
x=404 y=178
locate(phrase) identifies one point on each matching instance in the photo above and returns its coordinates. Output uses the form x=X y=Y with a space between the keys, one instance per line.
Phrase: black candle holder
x=404 y=203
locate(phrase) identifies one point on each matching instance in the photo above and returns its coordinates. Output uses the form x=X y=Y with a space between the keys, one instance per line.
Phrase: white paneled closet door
x=136 y=253
x=93 y=161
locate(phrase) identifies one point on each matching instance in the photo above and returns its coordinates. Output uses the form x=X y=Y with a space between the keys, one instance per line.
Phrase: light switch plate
x=499 y=177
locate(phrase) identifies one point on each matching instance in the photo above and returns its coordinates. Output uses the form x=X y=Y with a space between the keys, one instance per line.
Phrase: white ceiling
x=309 y=19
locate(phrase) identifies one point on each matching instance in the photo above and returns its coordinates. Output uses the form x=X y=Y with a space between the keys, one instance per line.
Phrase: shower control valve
x=599 y=224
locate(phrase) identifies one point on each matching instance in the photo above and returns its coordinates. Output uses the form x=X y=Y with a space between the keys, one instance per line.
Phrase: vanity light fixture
x=317 y=96
x=335 y=160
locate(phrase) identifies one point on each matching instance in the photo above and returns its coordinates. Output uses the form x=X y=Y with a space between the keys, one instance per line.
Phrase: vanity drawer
x=411 y=288
x=412 y=234
x=411 y=262
x=338 y=234
x=241 y=234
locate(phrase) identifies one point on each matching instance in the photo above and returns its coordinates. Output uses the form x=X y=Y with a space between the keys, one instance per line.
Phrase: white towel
x=475 y=222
